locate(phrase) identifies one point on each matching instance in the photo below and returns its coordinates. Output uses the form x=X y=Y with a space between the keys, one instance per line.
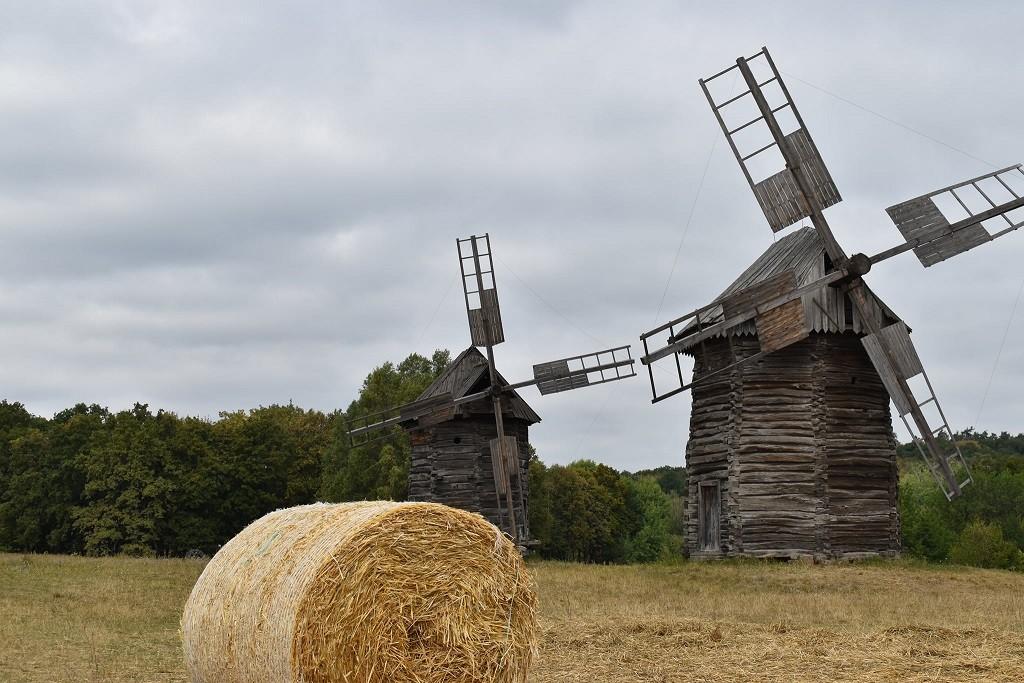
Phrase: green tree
x=584 y=512
x=29 y=498
x=253 y=453
x=378 y=470
x=650 y=542
x=309 y=436
x=671 y=479
x=127 y=494
x=201 y=486
x=932 y=525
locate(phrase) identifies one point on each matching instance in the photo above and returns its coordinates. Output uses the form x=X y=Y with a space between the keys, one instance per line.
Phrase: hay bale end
x=371 y=592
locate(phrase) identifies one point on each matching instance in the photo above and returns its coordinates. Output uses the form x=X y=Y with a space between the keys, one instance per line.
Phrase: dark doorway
x=708 y=516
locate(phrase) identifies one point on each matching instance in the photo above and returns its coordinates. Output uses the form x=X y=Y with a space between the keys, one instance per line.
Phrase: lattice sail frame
x=576 y=372
x=934 y=238
x=779 y=195
x=480 y=290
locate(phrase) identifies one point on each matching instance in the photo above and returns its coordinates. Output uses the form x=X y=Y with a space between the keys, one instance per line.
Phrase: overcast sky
x=213 y=206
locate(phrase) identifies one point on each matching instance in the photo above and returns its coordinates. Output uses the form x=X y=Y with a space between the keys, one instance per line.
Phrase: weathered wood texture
x=451 y=464
x=451 y=456
x=802 y=445
x=825 y=310
x=468 y=374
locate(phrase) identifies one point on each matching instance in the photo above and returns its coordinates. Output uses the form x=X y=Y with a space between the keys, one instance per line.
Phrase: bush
x=982 y=544
x=928 y=530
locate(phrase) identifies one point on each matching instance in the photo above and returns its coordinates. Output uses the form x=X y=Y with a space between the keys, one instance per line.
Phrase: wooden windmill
x=791 y=449
x=463 y=452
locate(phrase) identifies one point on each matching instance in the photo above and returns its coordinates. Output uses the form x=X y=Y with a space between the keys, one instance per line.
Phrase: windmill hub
x=858 y=265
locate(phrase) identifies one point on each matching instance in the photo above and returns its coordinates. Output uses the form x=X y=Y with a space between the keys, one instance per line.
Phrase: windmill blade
x=775 y=305
x=925 y=221
x=897 y=362
x=480 y=290
x=803 y=184
x=438 y=408
x=576 y=372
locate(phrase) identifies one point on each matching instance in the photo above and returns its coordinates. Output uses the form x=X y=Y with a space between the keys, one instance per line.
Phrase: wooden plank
x=759 y=294
x=887 y=373
x=902 y=350
x=709 y=520
x=503 y=451
x=782 y=326
x=488 y=306
x=780 y=199
x=921 y=219
x=554 y=386
x=824 y=188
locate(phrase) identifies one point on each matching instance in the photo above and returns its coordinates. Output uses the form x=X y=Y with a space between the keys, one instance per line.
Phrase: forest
x=150 y=482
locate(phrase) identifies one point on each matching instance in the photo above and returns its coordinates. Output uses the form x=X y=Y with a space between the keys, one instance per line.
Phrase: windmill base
x=791 y=456
x=787 y=556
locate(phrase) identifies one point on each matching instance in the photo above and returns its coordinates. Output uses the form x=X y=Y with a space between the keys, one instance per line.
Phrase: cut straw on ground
x=115 y=620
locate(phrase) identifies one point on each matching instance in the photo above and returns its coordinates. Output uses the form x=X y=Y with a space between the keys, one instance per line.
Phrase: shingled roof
x=467 y=374
x=802 y=252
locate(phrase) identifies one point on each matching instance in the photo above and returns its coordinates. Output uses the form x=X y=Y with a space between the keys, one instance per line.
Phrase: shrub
x=928 y=530
x=982 y=544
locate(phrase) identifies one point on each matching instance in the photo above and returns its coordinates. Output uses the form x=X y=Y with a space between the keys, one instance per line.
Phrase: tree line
x=145 y=482
x=984 y=526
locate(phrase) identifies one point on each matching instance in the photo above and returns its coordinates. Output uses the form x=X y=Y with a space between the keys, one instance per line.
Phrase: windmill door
x=708 y=515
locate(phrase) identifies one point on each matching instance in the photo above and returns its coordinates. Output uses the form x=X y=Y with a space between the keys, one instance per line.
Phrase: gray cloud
x=214 y=207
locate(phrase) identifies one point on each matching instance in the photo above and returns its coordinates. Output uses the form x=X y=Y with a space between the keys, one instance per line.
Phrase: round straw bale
x=373 y=592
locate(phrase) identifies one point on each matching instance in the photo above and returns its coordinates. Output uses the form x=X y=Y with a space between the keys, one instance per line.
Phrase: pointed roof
x=803 y=252
x=468 y=374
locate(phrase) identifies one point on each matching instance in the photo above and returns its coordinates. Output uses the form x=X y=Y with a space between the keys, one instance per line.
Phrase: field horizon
x=70 y=618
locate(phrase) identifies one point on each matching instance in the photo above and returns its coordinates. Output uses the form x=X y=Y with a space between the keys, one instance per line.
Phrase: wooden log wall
x=711 y=440
x=451 y=464
x=860 y=454
x=776 y=453
x=801 y=443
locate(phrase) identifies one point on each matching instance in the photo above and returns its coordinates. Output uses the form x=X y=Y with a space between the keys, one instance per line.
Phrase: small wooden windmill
x=463 y=454
x=791 y=449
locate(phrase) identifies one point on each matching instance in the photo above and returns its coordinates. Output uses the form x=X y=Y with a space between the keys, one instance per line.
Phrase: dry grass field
x=76 y=619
